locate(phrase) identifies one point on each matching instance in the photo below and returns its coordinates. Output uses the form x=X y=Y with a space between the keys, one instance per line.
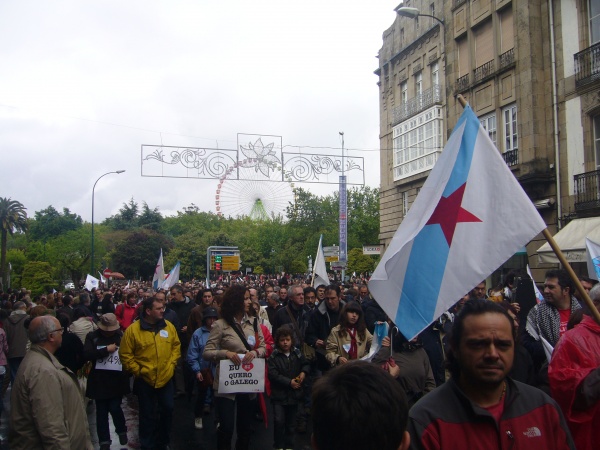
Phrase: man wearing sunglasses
x=46 y=407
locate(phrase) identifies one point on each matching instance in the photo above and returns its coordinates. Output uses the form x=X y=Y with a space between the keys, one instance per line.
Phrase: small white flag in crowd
x=91 y=282
x=320 y=269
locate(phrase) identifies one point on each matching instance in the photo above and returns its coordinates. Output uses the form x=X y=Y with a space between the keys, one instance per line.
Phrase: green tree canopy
x=13 y=218
x=49 y=223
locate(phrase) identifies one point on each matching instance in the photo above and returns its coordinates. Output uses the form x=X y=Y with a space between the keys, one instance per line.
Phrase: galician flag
x=470 y=217
x=593 y=258
x=172 y=277
x=159 y=272
x=319 y=269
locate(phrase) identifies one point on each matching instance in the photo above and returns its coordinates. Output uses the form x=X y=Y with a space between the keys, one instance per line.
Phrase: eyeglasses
x=60 y=330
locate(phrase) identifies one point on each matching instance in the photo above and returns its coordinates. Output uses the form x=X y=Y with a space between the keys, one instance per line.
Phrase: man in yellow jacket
x=150 y=350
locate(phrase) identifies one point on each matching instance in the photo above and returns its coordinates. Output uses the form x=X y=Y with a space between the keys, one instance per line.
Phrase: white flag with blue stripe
x=469 y=218
x=593 y=258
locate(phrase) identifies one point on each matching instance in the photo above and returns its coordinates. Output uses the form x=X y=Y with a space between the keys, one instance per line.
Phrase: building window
x=435 y=74
x=507 y=33
x=418 y=83
x=463 y=57
x=417 y=143
x=597 y=140
x=401 y=37
x=511 y=140
x=404 y=203
x=489 y=124
x=594 y=21
x=404 y=92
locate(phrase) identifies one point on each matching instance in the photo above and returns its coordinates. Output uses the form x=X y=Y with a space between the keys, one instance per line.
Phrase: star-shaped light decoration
x=261 y=157
x=449 y=212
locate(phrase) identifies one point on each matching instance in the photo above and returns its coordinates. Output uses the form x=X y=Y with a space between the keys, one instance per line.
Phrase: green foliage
x=136 y=255
x=359 y=263
x=49 y=223
x=130 y=241
x=17 y=260
x=37 y=276
x=130 y=217
x=13 y=218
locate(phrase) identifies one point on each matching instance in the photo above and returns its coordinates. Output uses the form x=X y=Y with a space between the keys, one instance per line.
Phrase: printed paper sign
x=111 y=362
x=244 y=378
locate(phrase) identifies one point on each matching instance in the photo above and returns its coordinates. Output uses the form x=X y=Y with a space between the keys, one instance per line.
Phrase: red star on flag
x=449 y=212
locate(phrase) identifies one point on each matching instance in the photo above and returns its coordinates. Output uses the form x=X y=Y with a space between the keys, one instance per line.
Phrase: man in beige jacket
x=46 y=407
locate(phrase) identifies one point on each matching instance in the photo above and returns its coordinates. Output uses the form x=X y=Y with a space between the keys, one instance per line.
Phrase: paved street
x=184 y=436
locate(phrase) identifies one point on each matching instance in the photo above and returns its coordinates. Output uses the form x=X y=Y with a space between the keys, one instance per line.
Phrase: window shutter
x=484 y=44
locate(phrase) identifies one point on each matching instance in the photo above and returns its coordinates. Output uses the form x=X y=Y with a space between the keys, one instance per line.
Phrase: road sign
x=231 y=259
x=340 y=265
x=371 y=249
x=106 y=273
x=333 y=250
x=332 y=259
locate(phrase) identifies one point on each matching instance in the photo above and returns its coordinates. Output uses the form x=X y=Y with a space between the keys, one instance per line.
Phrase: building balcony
x=415 y=105
x=483 y=71
x=507 y=59
x=587 y=66
x=511 y=157
x=462 y=84
x=587 y=191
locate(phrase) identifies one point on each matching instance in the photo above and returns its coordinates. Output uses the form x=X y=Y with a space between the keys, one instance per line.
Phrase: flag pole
x=561 y=257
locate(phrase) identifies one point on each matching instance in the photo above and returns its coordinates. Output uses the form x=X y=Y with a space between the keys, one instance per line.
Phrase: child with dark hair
x=350 y=339
x=287 y=370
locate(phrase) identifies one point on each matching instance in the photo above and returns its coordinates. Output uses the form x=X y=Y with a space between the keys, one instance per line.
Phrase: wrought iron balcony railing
x=587 y=190
x=587 y=65
x=462 y=84
x=511 y=157
x=415 y=105
x=483 y=71
x=507 y=58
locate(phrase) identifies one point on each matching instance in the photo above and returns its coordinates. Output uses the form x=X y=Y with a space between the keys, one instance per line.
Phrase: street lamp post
x=93 y=190
x=413 y=13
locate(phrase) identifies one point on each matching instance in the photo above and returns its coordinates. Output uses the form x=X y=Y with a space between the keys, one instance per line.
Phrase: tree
x=49 y=223
x=13 y=218
x=17 y=260
x=358 y=262
x=37 y=276
x=150 y=218
x=70 y=253
x=138 y=252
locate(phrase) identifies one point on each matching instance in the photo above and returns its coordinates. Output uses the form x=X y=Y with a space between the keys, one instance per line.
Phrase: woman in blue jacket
x=197 y=364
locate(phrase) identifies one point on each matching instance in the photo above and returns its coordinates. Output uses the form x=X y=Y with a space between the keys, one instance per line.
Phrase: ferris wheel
x=244 y=191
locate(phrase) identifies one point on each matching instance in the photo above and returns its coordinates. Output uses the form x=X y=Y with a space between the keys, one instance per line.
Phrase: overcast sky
x=83 y=84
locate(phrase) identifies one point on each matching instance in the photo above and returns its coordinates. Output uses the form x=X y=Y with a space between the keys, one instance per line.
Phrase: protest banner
x=245 y=378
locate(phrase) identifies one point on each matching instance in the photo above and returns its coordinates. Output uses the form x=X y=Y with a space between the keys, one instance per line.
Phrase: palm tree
x=12 y=218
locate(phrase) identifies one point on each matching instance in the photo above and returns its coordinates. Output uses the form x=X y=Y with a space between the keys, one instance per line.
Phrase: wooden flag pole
x=584 y=295
x=559 y=254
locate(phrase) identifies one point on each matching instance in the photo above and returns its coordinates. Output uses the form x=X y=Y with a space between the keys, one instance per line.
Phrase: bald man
x=46 y=406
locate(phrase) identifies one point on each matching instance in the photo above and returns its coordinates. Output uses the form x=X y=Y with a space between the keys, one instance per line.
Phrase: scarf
x=353 y=352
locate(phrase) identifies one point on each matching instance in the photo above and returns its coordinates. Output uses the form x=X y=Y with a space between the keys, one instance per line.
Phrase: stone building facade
x=530 y=70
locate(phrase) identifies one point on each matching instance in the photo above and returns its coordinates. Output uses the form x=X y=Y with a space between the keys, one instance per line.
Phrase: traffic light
x=218 y=262
x=217 y=266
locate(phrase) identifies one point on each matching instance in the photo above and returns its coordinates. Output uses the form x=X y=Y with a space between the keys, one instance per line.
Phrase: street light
x=93 y=189
x=413 y=13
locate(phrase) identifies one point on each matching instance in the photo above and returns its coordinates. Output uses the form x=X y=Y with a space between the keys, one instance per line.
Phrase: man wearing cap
x=198 y=365
x=150 y=350
x=46 y=410
x=107 y=381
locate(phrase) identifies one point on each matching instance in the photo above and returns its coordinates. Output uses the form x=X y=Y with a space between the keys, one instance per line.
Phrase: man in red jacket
x=480 y=408
x=574 y=375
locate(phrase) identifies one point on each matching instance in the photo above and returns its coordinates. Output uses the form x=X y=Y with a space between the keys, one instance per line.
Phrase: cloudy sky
x=83 y=84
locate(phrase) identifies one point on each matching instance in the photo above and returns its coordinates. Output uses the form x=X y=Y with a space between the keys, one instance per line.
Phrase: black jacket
x=183 y=310
x=320 y=323
x=104 y=384
x=282 y=317
x=282 y=369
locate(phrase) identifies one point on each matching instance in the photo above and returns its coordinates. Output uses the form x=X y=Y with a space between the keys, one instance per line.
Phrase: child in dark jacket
x=287 y=370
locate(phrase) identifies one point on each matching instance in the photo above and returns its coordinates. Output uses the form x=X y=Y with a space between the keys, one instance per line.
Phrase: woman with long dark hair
x=234 y=334
x=350 y=339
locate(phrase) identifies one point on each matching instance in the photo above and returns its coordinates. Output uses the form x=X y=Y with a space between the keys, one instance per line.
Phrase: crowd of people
x=489 y=373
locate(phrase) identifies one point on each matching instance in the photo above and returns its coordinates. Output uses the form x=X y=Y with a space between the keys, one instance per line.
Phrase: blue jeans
x=156 y=413
x=14 y=364
x=112 y=406
x=284 y=420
